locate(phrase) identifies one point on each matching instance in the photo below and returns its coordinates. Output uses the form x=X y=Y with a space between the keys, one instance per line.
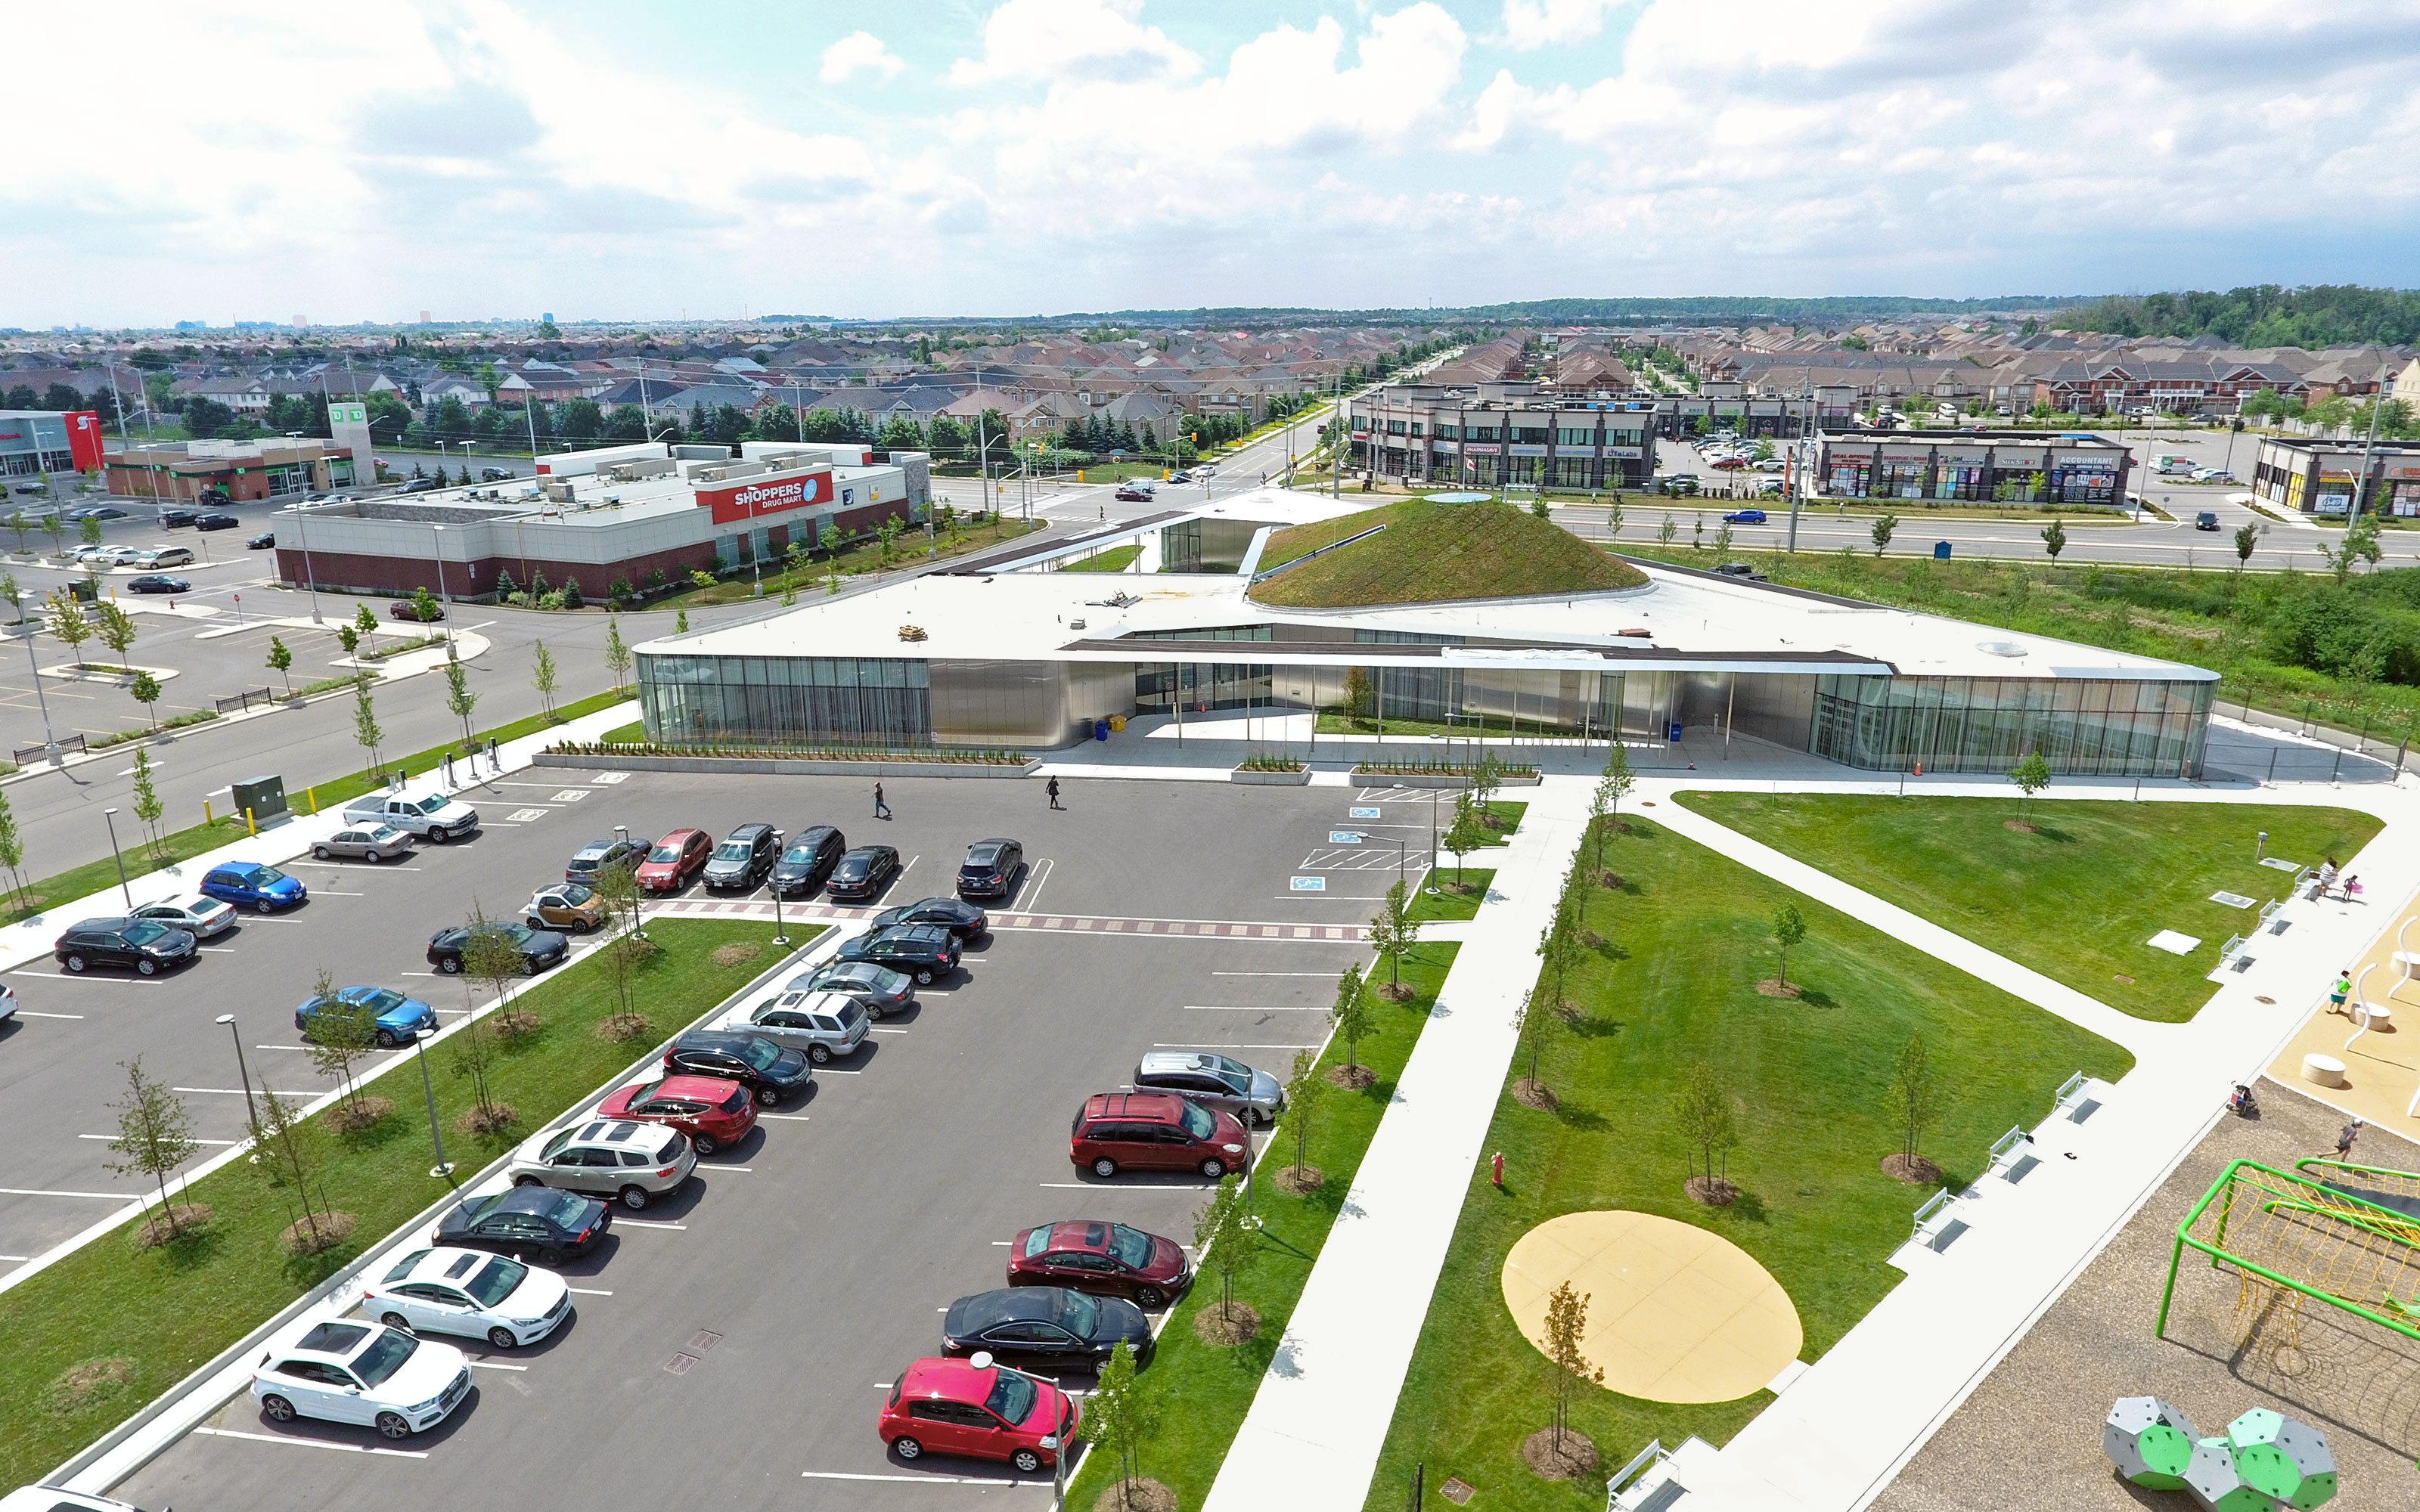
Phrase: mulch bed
x=320 y=1231
x=183 y=1219
x=1224 y=1330
x=1535 y=1095
x=1713 y=1191
x=516 y=1023
x=1575 y=1456
x=625 y=1028
x=2021 y=826
x=1775 y=987
x=737 y=953
x=490 y=1119
x=1300 y=1180
x=1354 y=1078
x=80 y=1386
x=1140 y=1494
x=351 y=1118
x=1398 y=992
x=1914 y=1170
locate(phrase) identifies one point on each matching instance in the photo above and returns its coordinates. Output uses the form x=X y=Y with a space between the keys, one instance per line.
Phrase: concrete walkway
x=1320 y=1418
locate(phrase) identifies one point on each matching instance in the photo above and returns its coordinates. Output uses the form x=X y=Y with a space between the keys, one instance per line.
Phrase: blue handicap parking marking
x=1360 y=813
x=1310 y=884
x=1345 y=837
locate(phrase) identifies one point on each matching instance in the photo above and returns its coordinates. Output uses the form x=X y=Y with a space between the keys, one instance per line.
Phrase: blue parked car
x=1745 y=517
x=261 y=887
x=399 y=1018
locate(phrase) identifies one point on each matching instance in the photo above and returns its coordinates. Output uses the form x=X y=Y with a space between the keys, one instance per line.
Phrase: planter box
x=1369 y=777
x=783 y=766
x=1270 y=779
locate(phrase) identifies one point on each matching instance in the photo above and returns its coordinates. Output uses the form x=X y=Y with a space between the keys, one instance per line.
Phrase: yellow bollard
x=207 y=817
x=250 y=828
x=312 y=795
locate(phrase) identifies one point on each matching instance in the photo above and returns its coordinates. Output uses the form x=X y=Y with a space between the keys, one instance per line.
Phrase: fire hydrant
x=1498 y=1161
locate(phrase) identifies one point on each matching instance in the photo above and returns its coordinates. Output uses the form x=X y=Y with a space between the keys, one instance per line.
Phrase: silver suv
x=823 y=1025
x=1215 y=1082
x=608 y=1158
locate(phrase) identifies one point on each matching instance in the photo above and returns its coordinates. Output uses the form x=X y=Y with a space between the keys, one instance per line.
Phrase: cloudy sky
x=624 y=159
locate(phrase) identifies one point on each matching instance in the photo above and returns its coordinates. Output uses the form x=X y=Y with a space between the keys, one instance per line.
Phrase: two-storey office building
x=1490 y=435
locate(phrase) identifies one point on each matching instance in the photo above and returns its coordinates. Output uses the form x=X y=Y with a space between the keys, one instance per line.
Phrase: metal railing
x=69 y=746
x=246 y=699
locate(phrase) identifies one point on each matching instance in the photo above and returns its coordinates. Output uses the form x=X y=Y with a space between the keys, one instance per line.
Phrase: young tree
x=342 y=1038
x=55 y=528
x=155 y=1133
x=2360 y=544
x=1605 y=806
x=146 y=692
x=1306 y=1094
x=426 y=609
x=1723 y=539
x=281 y=661
x=148 y=805
x=289 y=1147
x=2054 y=538
x=618 y=886
x=475 y=1055
x=680 y=621
x=542 y=676
x=1225 y=1242
x=1568 y=1368
x=460 y=700
x=1911 y=1100
x=1665 y=532
x=116 y=628
x=1121 y=1417
x=617 y=652
x=367 y=623
x=90 y=530
x=489 y=955
x=1392 y=935
x=1884 y=525
x=1697 y=532
x=1789 y=927
x=21 y=525
x=2247 y=536
x=887 y=534
x=1351 y=1018
x=366 y=732
x=2031 y=775
x=1613 y=517
x=12 y=847
x=68 y=623
x=350 y=639
x=1485 y=778
x=1703 y=1115
x=1463 y=835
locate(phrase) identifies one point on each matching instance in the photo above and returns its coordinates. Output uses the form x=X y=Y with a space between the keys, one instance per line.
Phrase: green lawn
x=1674 y=984
x=1431 y=553
x=2076 y=902
x=631 y=733
x=1116 y=559
x=1206 y=1390
x=168 y=1310
x=1445 y=907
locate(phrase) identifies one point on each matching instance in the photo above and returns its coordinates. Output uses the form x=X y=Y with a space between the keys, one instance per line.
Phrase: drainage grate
x=680 y=1365
x=702 y=1341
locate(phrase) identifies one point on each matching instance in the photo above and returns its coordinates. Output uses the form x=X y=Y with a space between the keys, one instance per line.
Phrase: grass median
x=2080 y=894
x=1675 y=982
x=1208 y=1389
x=87 y=1342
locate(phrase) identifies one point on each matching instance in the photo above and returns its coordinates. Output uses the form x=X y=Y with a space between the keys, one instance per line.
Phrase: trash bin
x=83 y=590
x=1100 y=729
x=1117 y=722
x=264 y=797
x=1676 y=730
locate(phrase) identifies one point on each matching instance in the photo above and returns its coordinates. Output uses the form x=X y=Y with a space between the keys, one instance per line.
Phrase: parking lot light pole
x=781 y=933
x=445 y=599
x=32 y=664
x=252 y=1114
x=109 y=816
x=443 y=1169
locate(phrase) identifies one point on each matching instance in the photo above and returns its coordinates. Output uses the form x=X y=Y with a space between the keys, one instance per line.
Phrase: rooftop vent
x=1640 y=633
x=2001 y=648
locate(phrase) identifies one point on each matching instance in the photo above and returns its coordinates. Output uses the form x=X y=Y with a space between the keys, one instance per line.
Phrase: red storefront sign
x=749 y=499
x=83 y=437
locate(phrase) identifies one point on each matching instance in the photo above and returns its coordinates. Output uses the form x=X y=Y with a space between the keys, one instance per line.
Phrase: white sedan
x=190 y=911
x=349 y=1371
x=471 y=1292
x=7 y=1002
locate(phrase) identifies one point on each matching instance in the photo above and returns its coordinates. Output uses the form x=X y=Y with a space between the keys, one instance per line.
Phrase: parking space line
x=327 y=893
x=1234 y=1047
x=893 y=1031
x=314 y=1443
x=1324 y=974
x=354 y=866
x=114 y=1138
x=71 y=976
x=1123 y=1186
x=921 y=1480
x=786 y=1118
x=1254 y=1007
x=36 y=1192
x=236 y=1092
x=588 y=1291
x=643 y=1222
x=27 y=1013
x=703 y=1166
x=496 y=1364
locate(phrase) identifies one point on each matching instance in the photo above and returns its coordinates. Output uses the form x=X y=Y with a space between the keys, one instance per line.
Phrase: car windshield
x=567 y=1210
x=574 y=895
x=381 y=999
x=664 y=853
x=761 y=1054
x=800 y=854
x=144 y=933
x=495 y=1283
x=1012 y=1396
x=262 y=876
x=1131 y=1246
x=1197 y=1122
x=1080 y=1313
x=385 y=1357
x=434 y=802
x=733 y=849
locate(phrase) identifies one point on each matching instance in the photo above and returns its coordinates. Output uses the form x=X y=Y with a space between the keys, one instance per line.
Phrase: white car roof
x=333 y=1339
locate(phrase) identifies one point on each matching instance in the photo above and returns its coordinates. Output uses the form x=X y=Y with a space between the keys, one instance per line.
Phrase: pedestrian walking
x=881 y=809
x=2346 y=1136
x=2337 y=993
x=1053 y=791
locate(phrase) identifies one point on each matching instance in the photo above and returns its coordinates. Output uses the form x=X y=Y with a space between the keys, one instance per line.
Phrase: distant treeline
x=2260 y=314
x=1725 y=309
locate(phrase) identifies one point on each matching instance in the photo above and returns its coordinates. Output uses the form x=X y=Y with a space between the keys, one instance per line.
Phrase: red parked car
x=1154 y=1131
x=676 y=860
x=1107 y=1259
x=711 y=1111
x=978 y=1409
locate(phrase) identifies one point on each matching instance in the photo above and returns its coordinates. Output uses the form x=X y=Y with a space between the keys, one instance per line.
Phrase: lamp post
x=781 y=933
x=443 y=1169
x=110 y=817
x=310 y=578
x=32 y=664
x=251 y=1113
x=443 y=598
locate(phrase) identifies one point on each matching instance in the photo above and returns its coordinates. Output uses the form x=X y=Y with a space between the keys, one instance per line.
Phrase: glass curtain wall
x=2082 y=727
x=834 y=701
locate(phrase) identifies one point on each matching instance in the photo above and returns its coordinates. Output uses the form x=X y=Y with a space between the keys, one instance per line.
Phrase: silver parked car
x=877 y=989
x=190 y=911
x=1215 y=1082
x=823 y=1025
x=608 y=1158
x=366 y=843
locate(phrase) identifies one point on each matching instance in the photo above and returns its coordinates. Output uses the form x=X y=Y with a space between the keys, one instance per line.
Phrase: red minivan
x=976 y=1408
x=1156 y=1132
x=676 y=859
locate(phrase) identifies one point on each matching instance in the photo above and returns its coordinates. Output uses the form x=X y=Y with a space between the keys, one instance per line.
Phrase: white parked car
x=468 y=1292
x=52 y=1499
x=108 y=556
x=351 y=1371
x=190 y=911
x=7 y=1002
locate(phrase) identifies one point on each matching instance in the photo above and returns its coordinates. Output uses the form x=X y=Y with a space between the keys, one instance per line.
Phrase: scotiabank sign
x=738 y=502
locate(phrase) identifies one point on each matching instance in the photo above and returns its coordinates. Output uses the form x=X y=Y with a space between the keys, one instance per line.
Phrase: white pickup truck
x=428 y=813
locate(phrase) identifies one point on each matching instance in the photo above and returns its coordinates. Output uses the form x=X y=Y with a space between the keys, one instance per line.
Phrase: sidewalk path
x=1320 y=1418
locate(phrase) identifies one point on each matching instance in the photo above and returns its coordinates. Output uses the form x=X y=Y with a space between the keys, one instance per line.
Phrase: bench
x=2011 y=1158
x=1937 y=1221
x=2076 y=1100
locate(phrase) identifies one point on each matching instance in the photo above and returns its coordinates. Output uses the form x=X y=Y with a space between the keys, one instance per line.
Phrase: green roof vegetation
x=1432 y=552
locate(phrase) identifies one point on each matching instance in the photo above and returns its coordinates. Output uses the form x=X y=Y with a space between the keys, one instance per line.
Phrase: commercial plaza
x=1014 y=652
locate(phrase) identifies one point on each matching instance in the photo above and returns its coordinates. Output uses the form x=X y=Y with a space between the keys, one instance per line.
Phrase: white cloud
x=859 y=53
x=1073 y=38
x=1530 y=25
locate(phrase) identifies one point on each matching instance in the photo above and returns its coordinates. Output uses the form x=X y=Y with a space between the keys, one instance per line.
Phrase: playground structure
x=2343 y=1235
x=2265 y=1461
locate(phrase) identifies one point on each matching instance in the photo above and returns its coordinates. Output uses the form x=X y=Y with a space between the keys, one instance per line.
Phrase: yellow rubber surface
x=1676 y=1314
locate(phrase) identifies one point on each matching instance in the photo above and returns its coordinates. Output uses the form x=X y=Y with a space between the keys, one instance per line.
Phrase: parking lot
x=800 y=1271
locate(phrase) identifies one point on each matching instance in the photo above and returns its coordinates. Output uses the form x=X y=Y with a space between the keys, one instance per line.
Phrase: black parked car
x=159 y=582
x=862 y=873
x=215 y=523
x=744 y=858
x=964 y=920
x=173 y=518
x=1046 y=1322
x=812 y=855
x=991 y=869
x=773 y=1073
x=263 y=542
x=144 y=944
x=923 y=952
x=535 y=1223
x=539 y=948
x=598 y=855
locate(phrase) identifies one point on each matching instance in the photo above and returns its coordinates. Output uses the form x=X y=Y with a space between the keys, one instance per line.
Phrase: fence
x=246 y=699
x=69 y=746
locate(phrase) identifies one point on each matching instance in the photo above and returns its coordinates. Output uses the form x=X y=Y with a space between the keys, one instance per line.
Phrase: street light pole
x=251 y=1113
x=310 y=578
x=110 y=816
x=443 y=1168
x=445 y=599
x=32 y=664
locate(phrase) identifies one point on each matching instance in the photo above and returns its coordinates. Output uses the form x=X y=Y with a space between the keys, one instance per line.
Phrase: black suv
x=744 y=858
x=991 y=870
x=146 y=944
x=861 y=874
x=177 y=517
x=598 y=855
x=923 y=952
x=812 y=855
x=964 y=920
x=769 y=1071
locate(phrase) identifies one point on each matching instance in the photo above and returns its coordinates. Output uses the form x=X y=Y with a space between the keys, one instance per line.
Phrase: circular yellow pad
x=1676 y=1314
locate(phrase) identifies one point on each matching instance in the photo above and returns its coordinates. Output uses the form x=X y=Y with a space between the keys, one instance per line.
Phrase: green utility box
x=263 y=797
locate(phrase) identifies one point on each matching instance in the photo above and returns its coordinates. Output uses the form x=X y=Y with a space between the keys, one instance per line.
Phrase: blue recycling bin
x=1100 y=729
x=1940 y=551
x=1676 y=730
